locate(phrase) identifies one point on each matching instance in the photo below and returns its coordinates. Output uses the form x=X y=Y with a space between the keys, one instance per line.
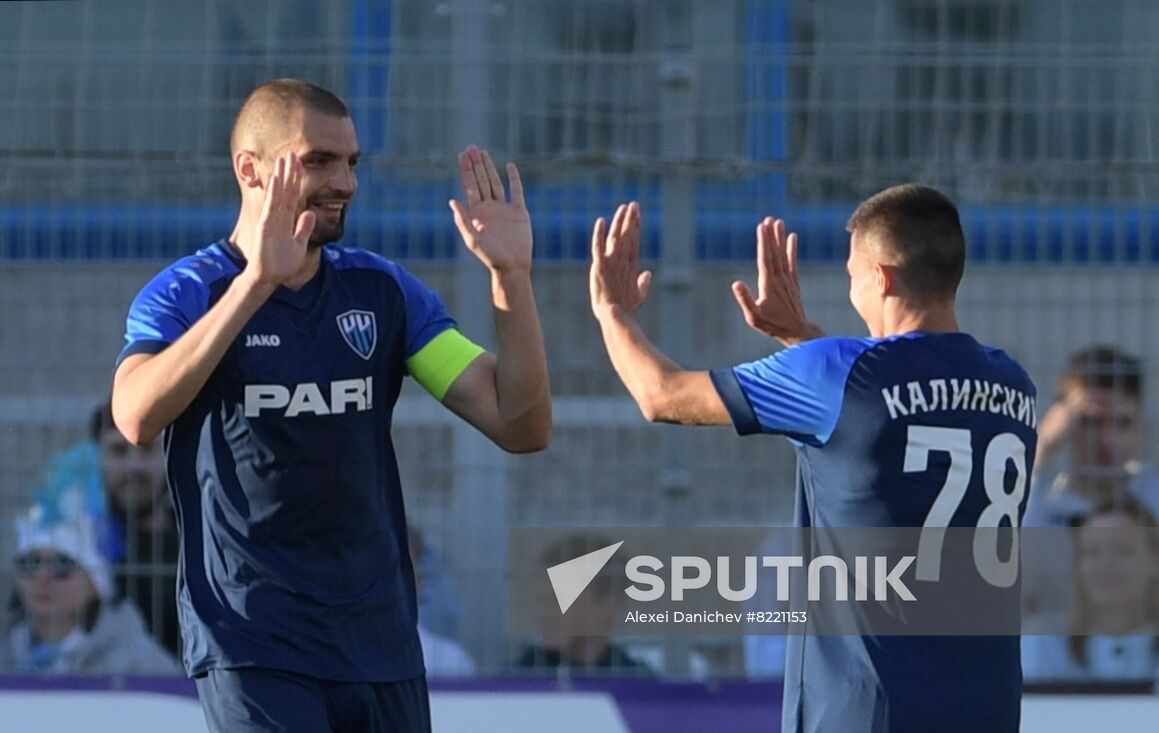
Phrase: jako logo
x=308 y=399
x=569 y=579
x=263 y=339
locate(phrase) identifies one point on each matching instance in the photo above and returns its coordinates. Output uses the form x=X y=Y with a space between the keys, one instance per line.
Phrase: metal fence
x=1038 y=116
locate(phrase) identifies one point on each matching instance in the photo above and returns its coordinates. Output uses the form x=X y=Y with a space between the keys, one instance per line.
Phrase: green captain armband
x=437 y=365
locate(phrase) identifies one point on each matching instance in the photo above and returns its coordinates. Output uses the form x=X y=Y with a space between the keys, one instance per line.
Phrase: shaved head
x=264 y=119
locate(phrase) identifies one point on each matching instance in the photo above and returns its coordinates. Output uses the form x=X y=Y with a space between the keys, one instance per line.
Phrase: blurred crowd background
x=1039 y=117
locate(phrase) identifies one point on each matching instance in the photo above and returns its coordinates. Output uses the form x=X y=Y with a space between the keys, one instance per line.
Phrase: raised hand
x=278 y=252
x=776 y=309
x=1058 y=425
x=615 y=279
x=496 y=231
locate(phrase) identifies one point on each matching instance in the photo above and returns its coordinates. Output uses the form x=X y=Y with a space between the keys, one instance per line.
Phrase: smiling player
x=272 y=360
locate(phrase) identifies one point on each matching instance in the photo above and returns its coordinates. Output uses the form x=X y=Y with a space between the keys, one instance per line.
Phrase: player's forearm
x=663 y=390
x=521 y=380
x=150 y=393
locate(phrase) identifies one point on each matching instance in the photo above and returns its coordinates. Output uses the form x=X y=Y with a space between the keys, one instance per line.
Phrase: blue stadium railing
x=1055 y=235
x=421 y=229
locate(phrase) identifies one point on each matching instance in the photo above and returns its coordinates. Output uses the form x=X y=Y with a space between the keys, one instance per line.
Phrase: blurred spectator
x=443 y=657
x=1113 y=625
x=1088 y=455
x=63 y=616
x=581 y=639
x=122 y=487
x=1089 y=441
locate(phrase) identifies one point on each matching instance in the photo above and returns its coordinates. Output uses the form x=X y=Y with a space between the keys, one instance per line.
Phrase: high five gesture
x=506 y=395
x=615 y=278
x=496 y=231
x=776 y=309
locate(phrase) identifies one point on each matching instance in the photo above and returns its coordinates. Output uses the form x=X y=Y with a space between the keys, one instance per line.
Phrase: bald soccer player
x=272 y=360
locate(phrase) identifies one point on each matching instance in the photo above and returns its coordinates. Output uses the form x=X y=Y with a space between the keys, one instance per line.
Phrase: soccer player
x=878 y=423
x=272 y=360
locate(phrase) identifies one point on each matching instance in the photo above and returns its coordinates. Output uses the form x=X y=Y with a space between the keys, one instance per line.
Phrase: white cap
x=74 y=537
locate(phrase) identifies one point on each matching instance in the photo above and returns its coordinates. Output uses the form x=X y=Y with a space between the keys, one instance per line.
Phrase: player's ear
x=247 y=169
x=885 y=279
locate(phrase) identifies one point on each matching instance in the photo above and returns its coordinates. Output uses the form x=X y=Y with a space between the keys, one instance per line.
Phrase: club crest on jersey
x=358 y=328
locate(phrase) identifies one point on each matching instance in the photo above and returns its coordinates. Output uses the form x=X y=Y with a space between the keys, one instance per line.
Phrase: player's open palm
x=279 y=251
x=775 y=309
x=496 y=230
x=615 y=277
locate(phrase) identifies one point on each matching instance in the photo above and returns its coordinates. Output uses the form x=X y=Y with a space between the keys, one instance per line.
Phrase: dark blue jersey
x=908 y=431
x=293 y=538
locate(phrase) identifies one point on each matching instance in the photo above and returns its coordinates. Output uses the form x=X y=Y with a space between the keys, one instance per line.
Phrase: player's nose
x=345 y=181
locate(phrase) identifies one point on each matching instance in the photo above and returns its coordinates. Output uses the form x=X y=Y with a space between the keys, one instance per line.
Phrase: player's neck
x=308 y=271
x=900 y=319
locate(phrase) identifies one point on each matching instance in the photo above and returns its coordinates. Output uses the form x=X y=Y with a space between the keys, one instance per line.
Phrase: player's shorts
x=253 y=700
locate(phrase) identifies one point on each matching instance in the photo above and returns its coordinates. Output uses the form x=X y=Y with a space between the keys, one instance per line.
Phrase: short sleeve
x=436 y=353
x=163 y=311
x=426 y=315
x=795 y=392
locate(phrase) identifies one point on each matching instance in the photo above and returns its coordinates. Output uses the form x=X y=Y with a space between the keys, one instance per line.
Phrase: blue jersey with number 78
x=901 y=431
